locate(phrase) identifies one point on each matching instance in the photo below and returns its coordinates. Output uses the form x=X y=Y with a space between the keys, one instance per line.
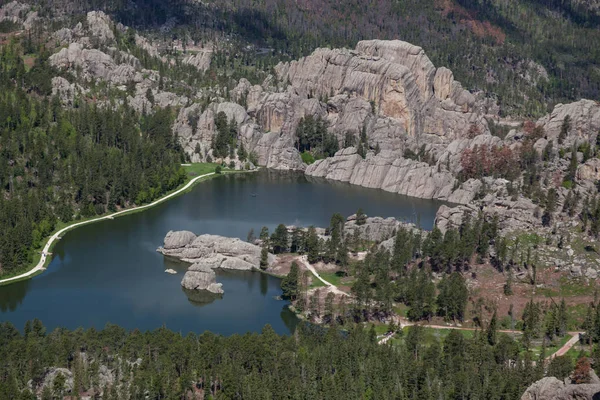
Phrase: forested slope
x=60 y=165
x=315 y=363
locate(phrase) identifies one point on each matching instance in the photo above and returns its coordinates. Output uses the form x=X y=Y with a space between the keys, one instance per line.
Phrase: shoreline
x=45 y=256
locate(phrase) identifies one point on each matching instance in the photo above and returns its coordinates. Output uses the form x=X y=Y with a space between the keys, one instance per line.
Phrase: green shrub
x=307 y=158
x=218 y=169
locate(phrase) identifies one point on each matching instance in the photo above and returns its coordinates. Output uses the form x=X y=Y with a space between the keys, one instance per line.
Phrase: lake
x=110 y=272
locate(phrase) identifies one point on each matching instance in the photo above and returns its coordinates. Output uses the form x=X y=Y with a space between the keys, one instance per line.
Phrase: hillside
x=530 y=54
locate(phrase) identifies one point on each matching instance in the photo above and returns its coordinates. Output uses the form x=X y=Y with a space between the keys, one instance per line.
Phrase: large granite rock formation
x=585 y=121
x=389 y=88
x=19 y=13
x=200 y=276
x=213 y=251
x=90 y=54
x=397 y=77
x=388 y=171
x=550 y=388
x=520 y=214
x=200 y=59
x=375 y=229
x=206 y=253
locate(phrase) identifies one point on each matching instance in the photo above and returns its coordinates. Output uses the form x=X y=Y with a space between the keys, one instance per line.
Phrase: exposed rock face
x=90 y=55
x=66 y=92
x=213 y=251
x=512 y=215
x=95 y=64
x=177 y=240
x=197 y=129
x=589 y=171
x=19 y=13
x=200 y=60
x=100 y=26
x=50 y=375
x=388 y=171
x=550 y=388
x=389 y=88
x=396 y=76
x=200 y=276
x=585 y=121
x=375 y=229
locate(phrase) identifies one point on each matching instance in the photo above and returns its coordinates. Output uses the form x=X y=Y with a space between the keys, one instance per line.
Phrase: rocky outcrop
x=388 y=171
x=390 y=89
x=396 y=77
x=374 y=229
x=67 y=92
x=196 y=130
x=207 y=253
x=585 y=122
x=213 y=251
x=200 y=276
x=521 y=214
x=201 y=60
x=95 y=64
x=100 y=26
x=48 y=379
x=590 y=171
x=550 y=388
x=178 y=240
x=19 y=13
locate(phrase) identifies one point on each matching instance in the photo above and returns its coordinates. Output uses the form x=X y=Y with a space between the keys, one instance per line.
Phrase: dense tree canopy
x=58 y=165
x=314 y=363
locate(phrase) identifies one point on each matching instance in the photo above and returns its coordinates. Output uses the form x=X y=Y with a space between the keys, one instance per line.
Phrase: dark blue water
x=110 y=271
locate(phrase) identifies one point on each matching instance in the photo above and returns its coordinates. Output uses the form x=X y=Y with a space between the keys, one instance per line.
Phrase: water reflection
x=12 y=296
x=200 y=298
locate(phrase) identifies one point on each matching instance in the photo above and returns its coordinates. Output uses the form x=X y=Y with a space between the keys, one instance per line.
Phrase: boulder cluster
x=207 y=253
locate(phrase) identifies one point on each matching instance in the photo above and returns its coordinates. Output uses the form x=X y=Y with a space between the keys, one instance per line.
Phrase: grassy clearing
x=551 y=348
x=315 y=282
x=576 y=316
x=527 y=239
x=197 y=169
x=337 y=278
x=401 y=309
x=568 y=288
x=431 y=335
x=578 y=351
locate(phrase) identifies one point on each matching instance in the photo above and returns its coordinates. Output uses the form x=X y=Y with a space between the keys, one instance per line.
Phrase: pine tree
x=251 y=238
x=562 y=318
x=564 y=129
x=264 y=257
x=492 y=330
x=289 y=284
x=279 y=239
x=312 y=245
x=329 y=310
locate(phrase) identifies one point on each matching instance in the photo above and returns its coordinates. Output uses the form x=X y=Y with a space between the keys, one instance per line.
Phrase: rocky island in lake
x=208 y=252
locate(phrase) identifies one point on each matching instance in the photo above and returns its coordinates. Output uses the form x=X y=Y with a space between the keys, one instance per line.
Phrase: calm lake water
x=110 y=272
